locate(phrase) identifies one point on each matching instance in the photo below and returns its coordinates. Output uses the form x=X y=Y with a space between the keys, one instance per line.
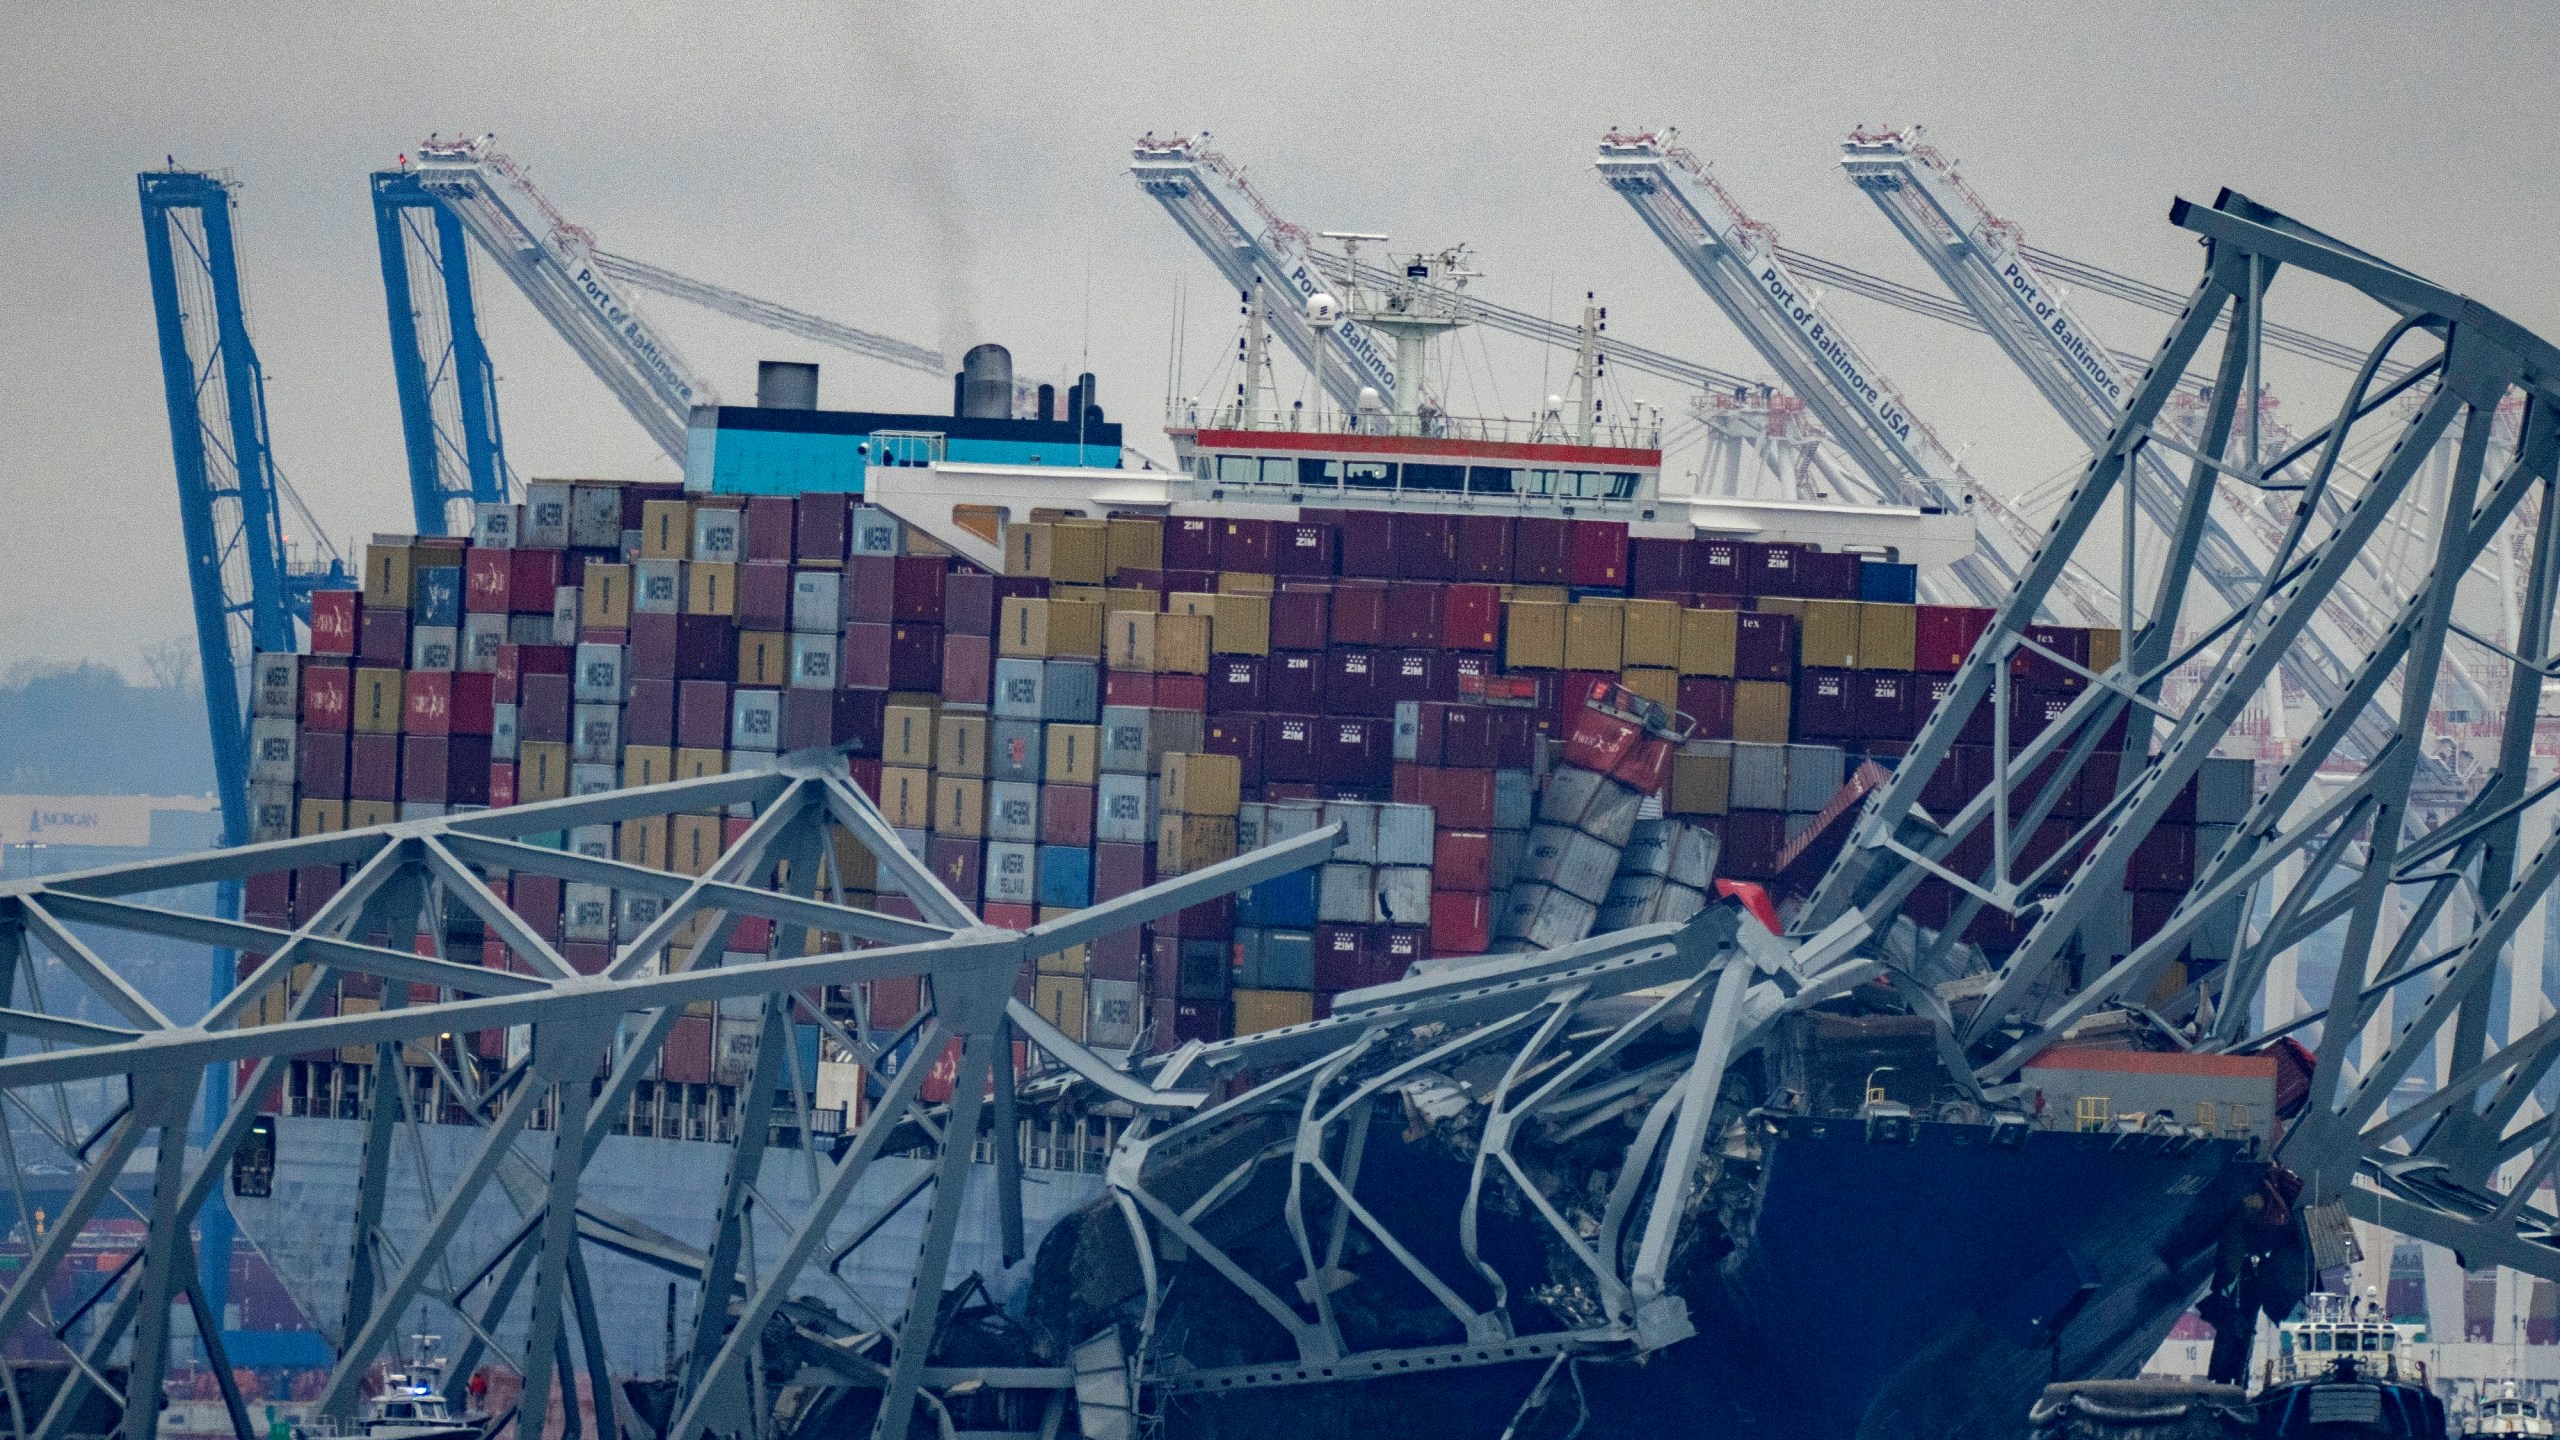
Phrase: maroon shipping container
x=1119 y=868
x=1460 y=798
x=1370 y=544
x=1764 y=646
x=267 y=899
x=1188 y=582
x=1241 y=737
x=373 y=767
x=862 y=657
x=445 y=769
x=1471 y=737
x=1305 y=547
x=1471 y=617
x=333 y=621
x=821 y=525
x=915 y=653
x=1244 y=545
x=1752 y=840
x=869 y=595
x=968 y=669
x=542 y=708
x=1208 y=920
x=383 y=637
x=1120 y=955
x=1353 y=751
x=1708 y=700
x=1413 y=614
x=1191 y=543
x=533 y=581
x=328 y=694
x=1885 y=704
x=1483 y=550
x=1427 y=545
x=1298 y=619
x=650 y=717
x=2042 y=671
x=1946 y=634
x=322 y=758
x=1598 y=558
x=1769 y=567
x=1358 y=614
x=1825 y=575
x=1822 y=710
x=1542 y=550
x=769 y=528
x=1066 y=815
x=960 y=864
x=1236 y=685
x=1414 y=675
x=1293 y=683
x=702 y=714
x=687 y=1058
x=822 y=719
x=1131 y=577
x=1182 y=692
x=764 y=595
x=653 y=650
x=916 y=587
x=1351 y=682
x=1288 y=749
x=1658 y=567
x=2164 y=860
x=968 y=603
x=1119 y=687
x=1715 y=567
x=706 y=647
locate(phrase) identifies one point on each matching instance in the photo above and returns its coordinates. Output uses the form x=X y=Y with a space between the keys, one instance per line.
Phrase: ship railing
x=1549 y=429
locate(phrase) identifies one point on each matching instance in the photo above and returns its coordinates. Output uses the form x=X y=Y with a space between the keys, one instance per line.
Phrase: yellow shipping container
x=906 y=796
x=907 y=736
x=1185 y=843
x=1245 y=582
x=1134 y=544
x=666 y=530
x=693 y=846
x=379 y=708
x=356 y=1005
x=365 y=814
x=764 y=657
x=1706 y=642
x=856 y=867
x=710 y=589
x=960 y=740
x=1241 y=625
x=643 y=842
x=1026 y=548
x=1200 y=784
x=959 y=807
x=1129 y=641
x=1888 y=636
x=386 y=575
x=1060 y=1001
x=321 y=817
x=1760 y=711
x=693 y=763
x=1828 y=633
x=1533 y=635
x=1652 y=635
x=1701 y=783
x=648 y=765
x=1116 y=599
x=1074 y=754
x=1659 y=685
x=604 y=597
x=1079 y=551
x=1260 y=1010
x=2106 y=648
x=542 y=770
x=1595 y=635
x=1075 y=629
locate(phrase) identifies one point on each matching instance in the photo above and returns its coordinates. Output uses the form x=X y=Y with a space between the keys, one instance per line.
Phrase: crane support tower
x=448 y=392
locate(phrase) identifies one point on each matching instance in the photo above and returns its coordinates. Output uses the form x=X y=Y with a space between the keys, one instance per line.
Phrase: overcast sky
x=960 y=175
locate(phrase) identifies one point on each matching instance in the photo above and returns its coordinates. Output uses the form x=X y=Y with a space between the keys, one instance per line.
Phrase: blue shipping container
x=435 y=595
x=1066 y=876
x=1282 y=902
x=1883 y=582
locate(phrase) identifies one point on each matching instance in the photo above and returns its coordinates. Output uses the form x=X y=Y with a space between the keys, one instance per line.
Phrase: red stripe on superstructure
x=1420 y=446
x=2154 y=1062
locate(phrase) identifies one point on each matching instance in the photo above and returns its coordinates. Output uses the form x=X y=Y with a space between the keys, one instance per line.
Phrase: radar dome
x=1323 y=311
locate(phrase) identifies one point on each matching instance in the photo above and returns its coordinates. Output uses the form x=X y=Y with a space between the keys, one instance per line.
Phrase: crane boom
x=554 y=263
x=1982 y=259
x=1203 y=190
x=770 y=315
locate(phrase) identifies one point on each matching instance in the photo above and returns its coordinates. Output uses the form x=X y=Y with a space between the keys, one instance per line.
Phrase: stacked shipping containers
x=1133 y=698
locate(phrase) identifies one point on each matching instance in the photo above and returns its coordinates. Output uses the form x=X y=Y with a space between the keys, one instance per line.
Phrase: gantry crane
x=448 y=390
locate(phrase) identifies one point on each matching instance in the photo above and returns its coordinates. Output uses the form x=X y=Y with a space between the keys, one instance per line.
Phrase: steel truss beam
x=402 y=880
x=2339 y=844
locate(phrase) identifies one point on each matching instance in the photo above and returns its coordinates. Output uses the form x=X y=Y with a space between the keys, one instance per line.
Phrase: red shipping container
x=1707 y=700
x=915 y=654
x=1182 y=692
x=383 y=637
x=1191 y=543
x=1462 y=860
x=1293 y=683
x=869 y=595
x=1119 y=687
x=1119 y=868
x=1288 y=749
x=895 y=999
x=1764 y=646
x=1483 y=549
x=1598 y=560
x=1658 y=567
x=466 y=700
x=764 y=595
x=1598 y=740
x=487 y=576
x=687 y=1058
x=267 y=899
x=321 y=756
x=2043 y=671
x=1460 y=799
x=1542 y=550
x=1298 y=619
x=1370 y=545
x=1647 y=766
x=916 y=588
x=1471 y=617
x=542 y=708
x=864 y=772
x=768 y=528
x=1236 y=685
x=650 y=718
x=968 y=669
x=702 y=714
x=502 y=784
x=1461 y=922
x=533 y=581
x=862 y=656
x=1358 y=614
x=333 y=621
x=968 y=603
x=1241 y=737
x=1066 y=815
x=1305 y=547
x=653 y=652
x=1351 y=682
x=1822 y=709
x=1244 y=545
x=328 y=693
x=821 y=525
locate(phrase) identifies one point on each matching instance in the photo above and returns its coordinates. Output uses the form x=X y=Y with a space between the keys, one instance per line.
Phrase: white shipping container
x=1814 y=773
x=1693 y=857
x=1114 y=1013
x=592 y=840
x=568 y=613
x=1020 y=684
x=595 y=516
x=272 y=751
x=719 y=535
x=755 y=719
x=595 y=734
x=1346 y=895
x=1404 y=835
x=594 y=779
x=270 y=810
x=275 y=686
x=502 y=731
x=494 y=524
x=1760 y=776
x=482 y=635
x=1515 y=799
x=813 y=662
x=599 y=677
x=657 y=587
x=1125 y=809
x=1013 y=872
x=586 y=912
x=1289 y=819
x=733 y=1050
x=1359 y=822
x=1403 y=894
x=1545 y=917
x=1013 y=811
x=546 y=517
x=1124 y=737
x=435 y=647
x=876 y=532
x=817 y=601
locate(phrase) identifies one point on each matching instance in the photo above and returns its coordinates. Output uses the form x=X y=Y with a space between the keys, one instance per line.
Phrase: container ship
x=1063 y=674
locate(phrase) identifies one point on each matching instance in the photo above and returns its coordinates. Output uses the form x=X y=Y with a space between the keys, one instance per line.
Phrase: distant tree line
x=84 y=729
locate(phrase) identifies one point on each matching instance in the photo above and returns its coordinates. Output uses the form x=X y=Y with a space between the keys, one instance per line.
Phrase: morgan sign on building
x=112 y=820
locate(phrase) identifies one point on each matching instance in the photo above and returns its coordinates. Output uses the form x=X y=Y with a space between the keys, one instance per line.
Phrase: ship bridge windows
x=1445 y=479
x=1319 y=474
x=1492 y=480
x=1583 y=484
x=1368 y=475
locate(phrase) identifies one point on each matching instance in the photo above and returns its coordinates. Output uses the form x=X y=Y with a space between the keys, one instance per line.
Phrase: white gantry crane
x=1984 y=261
x=555 y=264
x=901 y=353
x=1735 y=259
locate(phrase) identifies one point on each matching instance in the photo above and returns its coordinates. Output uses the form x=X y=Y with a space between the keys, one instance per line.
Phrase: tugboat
x=2344 y=1371
x=2507 y=1414
x=412 y=1405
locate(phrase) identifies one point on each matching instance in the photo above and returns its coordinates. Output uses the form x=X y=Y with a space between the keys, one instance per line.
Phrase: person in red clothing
x=479 y=1388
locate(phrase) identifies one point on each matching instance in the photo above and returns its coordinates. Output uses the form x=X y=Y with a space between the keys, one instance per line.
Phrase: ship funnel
x=786 y=385
x=986 y=383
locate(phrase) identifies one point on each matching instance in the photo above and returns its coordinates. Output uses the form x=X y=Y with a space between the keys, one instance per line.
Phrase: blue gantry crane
x=448 y=392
